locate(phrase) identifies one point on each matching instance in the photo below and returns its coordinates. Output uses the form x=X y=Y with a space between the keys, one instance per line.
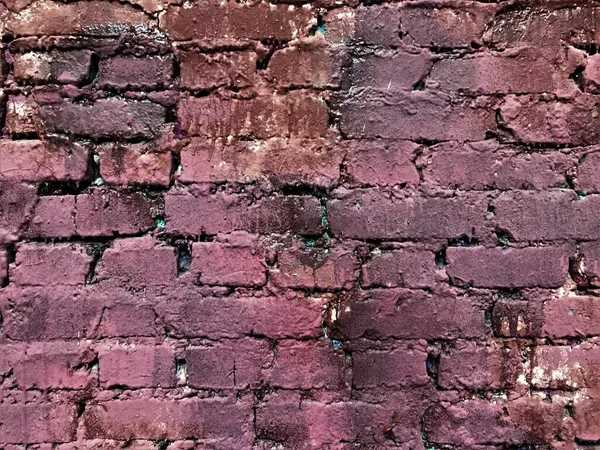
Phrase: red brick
x=393 y=368
x=518 y=318
x=220 y=419
x=70 y=67
x=32 y=160
x=381 y=163
x=136 y=366
x=476 y=367
x=220 y=264
x=571 y=316
x=373 y=214
x=134 y=164
x=108 y=213
x=37 y=422
x=377 y=25
x=205 y=71
x=508 y=268
x=406 y=314
x=257 y=21
x=127 y=320
x=188 y=213
x=17 y=202
x=3 y=267
x=587 y=174
x=310 y=268
x=281 y=160
x=47 y=265
x=228 y=364
x=405 y=268
x=586 y=415
x=297 y=114
x=22 y=116
x=92 y=18
x=560 y=367
x=106 y=118
x=54 y=217
x=591 y=74
x=127 y=72
x=188 y=315
x=137 y=262
x=527 y=420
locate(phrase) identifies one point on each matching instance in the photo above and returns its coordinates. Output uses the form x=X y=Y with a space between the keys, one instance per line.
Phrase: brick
x=381 y=163
x=377 y=25
x=33 y=160
x=17 y=201
x=372 y=214
x=190 y=214
x=476 y=367
x=571 y=317
x=316 y=268
x=108 y=213
x=562 y=367
x=188 y=315
x=228 y=265
x=284 y=161
x=47 y=265
x=518 y=318
x=397 y=115
x=526 y=420
x=127 y=72
x=37 y=422
x=546 y=216
x=134 y=164
x=94 y=18
x=395 y=368
x=212 y=418
x=137 y=262
x=54 y=217
x=129 y=320
x=227 y=365
x=236 y=21
x=106 y=118
x=591 y=75
x=206 y=71
x=508 y=268
x=587 y=174
x=297 y=114
x=485 y=165
x=400 y=268
x=22 y=116
x=406 y=314
x=3 y=267
x=585 y=415
x=136 y=366
x=71 y=67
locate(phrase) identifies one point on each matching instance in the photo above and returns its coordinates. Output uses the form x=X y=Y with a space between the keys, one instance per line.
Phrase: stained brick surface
x=304 y=224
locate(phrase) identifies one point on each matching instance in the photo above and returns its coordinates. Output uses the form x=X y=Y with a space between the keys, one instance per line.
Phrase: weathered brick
x=134 y=164
x=137 y=366
x=212 y=418
x=381 y=163
x=17 y=201
x=137 y=262
x=37 y=422
x=587 y=174
x=128 y=320
x=563 y=367
x=571 y=316
x=22 y=116
x=373 y=214
x=205 y=71
x=281 y=160
x=518 y=318
x=406 y=314
x=47 y=265
x=3 y=266
x=586 y=416
x=310 y=268
x=33 y=160
x=107 y=213
x=414 y=116
x=215 y=263
x=591 y=74
x=394 y=368
x=106 y=118
x=193 y=214
x=296 y=114
x=399 y=268
x=71 y=67
x=508 y=268
x=127 y=72
x=377 y=25
x=54 y=217
x=257 y=21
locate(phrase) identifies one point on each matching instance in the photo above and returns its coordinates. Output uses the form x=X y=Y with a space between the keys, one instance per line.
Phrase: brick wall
x=299 y=225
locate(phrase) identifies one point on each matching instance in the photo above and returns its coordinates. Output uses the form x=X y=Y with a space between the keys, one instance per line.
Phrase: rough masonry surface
x=328 y=224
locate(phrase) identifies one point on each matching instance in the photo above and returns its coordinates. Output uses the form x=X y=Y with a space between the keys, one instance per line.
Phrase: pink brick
x=37 y=422
x=400 y=268
x=566 y=367
x=204 y=71
x=54 y=217
x=128 y=320
x=134 y=164
x=16 y=206
x=393 y=368
x=127 y=72
x=30 y=160
x=46 y=265
x=586 y=416
x=138 y=262
x=137 y=366
x=571 y=316
x=310 y=268
x=3 y=267
x=215 y=263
